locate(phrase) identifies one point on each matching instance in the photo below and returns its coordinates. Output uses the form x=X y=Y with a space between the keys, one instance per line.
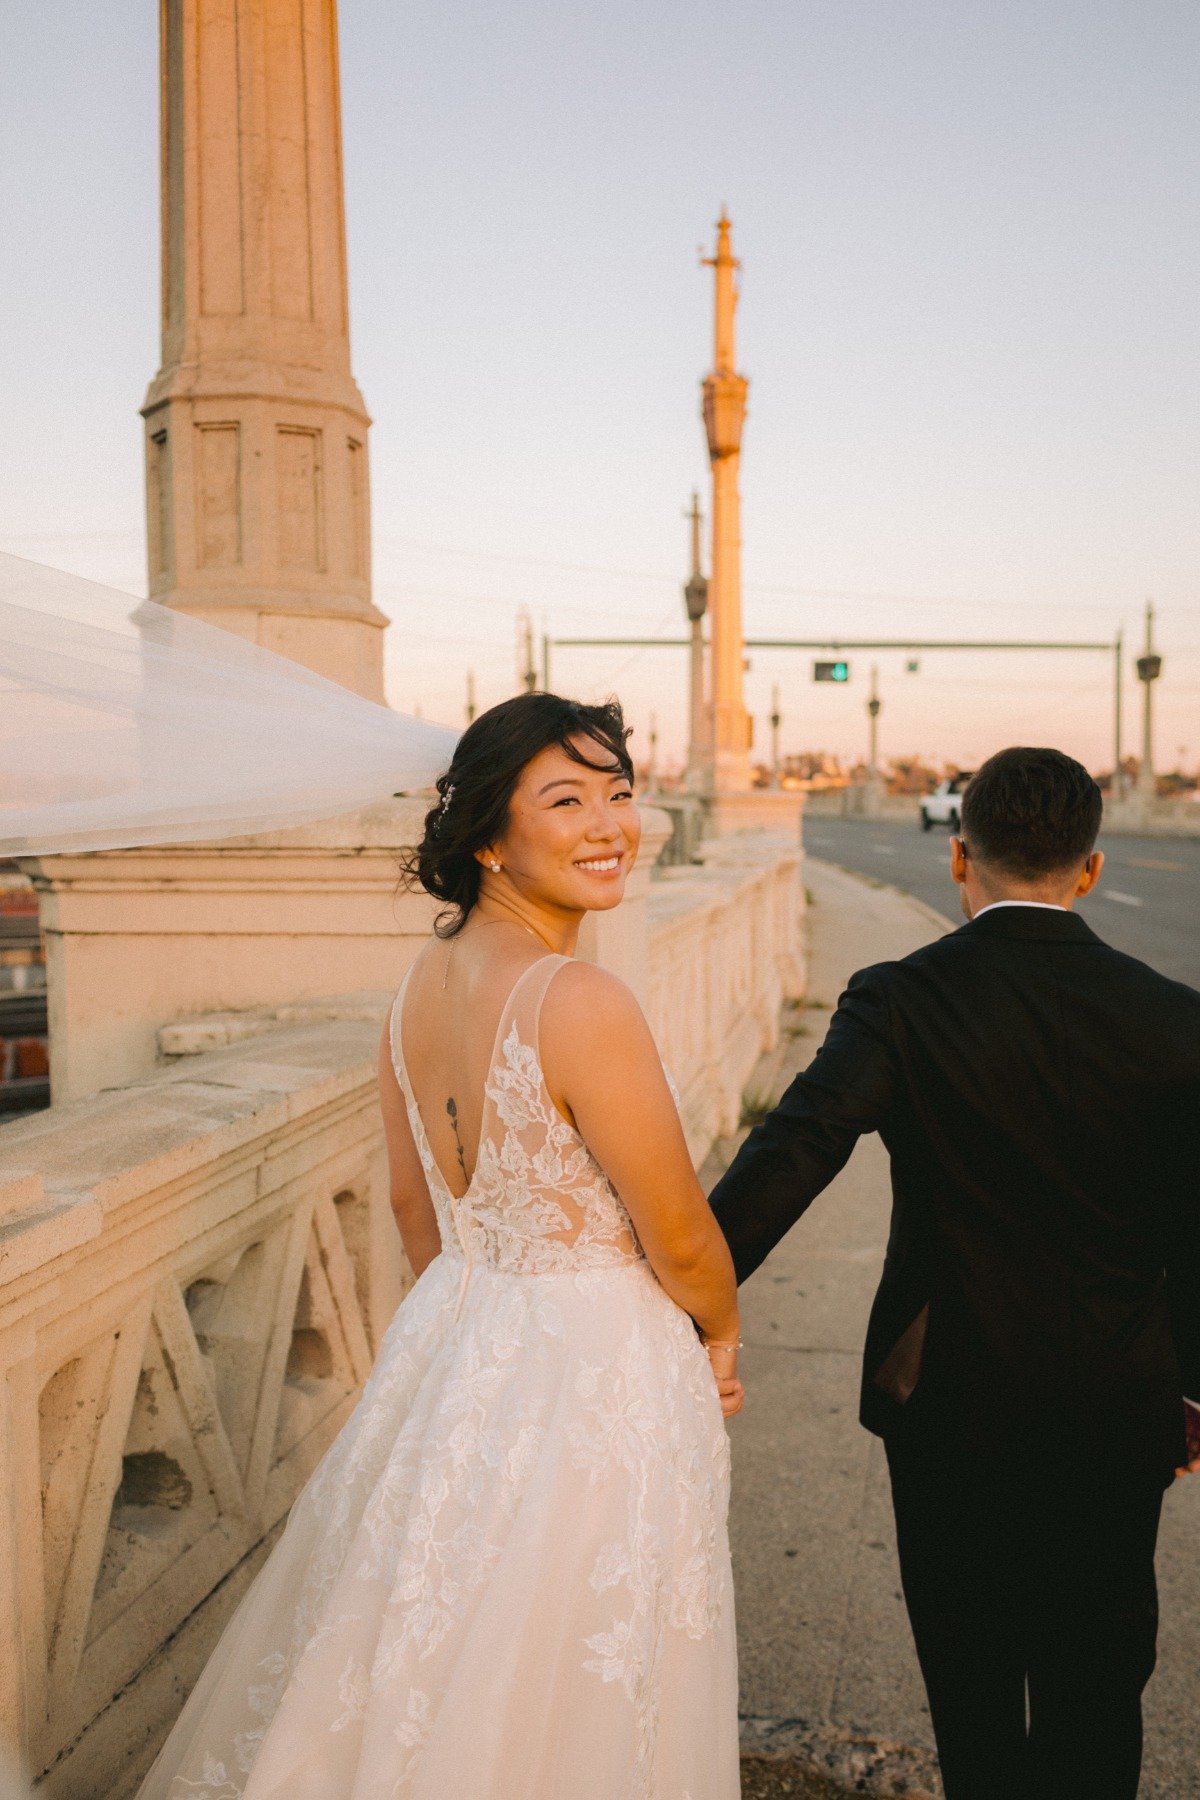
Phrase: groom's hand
x=1191 y=1414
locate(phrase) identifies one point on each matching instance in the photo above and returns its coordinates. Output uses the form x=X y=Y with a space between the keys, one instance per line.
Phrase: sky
x=970 y=293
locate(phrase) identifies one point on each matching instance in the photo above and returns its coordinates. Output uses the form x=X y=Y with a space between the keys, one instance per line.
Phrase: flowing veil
x=123 y=723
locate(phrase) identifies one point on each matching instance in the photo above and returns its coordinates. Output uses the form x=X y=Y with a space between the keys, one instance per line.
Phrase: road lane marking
x=883 y=849
x=1121 y=899
x=1149 y=862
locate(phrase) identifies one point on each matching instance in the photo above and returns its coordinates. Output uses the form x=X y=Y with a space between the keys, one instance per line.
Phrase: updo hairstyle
x=475 y=792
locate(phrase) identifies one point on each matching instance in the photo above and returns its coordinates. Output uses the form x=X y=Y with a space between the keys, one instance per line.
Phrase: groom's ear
x=958 y=860
x=1090 y=875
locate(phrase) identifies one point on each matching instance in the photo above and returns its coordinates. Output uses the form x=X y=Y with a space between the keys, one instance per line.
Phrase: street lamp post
x=695 y=596
x=874 y=707
x=1149 y=668
x=776 y=722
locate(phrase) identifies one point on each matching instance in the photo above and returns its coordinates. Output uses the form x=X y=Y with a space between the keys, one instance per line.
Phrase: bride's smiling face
x=572 y=834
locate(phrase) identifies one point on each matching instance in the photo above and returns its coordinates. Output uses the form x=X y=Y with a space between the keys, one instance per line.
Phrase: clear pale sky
x=971 y=289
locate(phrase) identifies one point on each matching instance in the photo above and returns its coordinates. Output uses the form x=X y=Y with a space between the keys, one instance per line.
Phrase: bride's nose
x=602 y=828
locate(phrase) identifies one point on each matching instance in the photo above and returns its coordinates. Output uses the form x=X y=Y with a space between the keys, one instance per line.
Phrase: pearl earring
x=496 y=867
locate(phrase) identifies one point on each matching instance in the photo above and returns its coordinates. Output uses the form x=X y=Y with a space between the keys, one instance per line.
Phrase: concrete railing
x=196 y=1267
x=192 y=1287
x=726 y=949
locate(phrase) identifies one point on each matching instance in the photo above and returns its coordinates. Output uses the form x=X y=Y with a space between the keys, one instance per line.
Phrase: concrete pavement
x=828 y=1675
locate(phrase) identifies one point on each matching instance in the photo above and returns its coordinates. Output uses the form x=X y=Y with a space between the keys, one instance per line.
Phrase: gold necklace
x=483 y=923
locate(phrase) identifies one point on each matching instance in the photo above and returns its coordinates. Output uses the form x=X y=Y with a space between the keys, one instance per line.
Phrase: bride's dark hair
x=475 y=791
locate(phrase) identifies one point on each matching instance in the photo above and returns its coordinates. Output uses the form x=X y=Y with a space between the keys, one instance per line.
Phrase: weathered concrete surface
x=828 y=1674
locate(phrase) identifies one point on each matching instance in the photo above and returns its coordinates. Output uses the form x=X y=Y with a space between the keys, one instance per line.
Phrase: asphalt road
x=1147 y=902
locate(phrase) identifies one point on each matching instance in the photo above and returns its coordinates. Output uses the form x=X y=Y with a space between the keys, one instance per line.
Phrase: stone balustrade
x=196 y=1267
x=192 y=1287
x=726 y=949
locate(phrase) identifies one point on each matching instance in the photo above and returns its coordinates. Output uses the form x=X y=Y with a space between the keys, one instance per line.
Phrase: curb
x=929 y=913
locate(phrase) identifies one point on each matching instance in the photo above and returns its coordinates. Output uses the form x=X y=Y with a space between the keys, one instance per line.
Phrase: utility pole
x=526 y=672
x=652 y=771
x=695 y=597
x=470 y=696
x=776 y=722
x=1149 y=668
x=874 y=707
x=1118 y=780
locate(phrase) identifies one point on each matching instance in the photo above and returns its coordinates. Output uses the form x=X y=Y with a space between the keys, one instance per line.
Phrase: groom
x=1038 y=1321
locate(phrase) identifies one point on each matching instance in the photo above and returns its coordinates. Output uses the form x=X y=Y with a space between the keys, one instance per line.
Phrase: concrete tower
x=724 y=413
x=256 y=432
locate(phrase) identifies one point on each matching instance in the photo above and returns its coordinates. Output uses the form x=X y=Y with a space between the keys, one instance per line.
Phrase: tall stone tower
x=256 y=432
x=724 y=414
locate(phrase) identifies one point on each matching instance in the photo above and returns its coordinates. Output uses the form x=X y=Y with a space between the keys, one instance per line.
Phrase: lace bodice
x=538 y=1202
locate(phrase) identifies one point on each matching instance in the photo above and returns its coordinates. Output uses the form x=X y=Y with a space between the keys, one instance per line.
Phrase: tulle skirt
x=509 y=1577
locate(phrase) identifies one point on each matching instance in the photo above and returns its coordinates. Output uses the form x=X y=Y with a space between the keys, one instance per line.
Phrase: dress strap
x=523 y=1008
x=395 y=1035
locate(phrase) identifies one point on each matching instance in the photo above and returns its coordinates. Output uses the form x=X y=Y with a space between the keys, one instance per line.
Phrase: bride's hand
x=732 y=1395
x=722 y=1360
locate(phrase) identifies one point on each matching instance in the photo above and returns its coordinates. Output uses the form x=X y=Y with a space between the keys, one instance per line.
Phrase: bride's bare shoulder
x=587 y=1005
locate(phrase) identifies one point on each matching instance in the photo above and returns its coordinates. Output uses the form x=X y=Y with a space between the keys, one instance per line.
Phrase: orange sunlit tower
x=724 y=414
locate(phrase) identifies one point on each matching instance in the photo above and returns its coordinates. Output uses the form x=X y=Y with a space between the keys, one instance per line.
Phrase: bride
x=509 y=1577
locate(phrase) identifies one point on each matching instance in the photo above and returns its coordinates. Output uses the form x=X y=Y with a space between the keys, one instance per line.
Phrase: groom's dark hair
x=1031 y=813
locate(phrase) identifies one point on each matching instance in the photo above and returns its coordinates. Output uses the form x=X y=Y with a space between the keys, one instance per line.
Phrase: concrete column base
x=138 y=939
x=758 y=809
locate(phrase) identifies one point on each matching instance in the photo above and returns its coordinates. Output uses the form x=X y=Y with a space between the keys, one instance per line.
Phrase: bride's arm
x=409 y=1190
x=604 y=1071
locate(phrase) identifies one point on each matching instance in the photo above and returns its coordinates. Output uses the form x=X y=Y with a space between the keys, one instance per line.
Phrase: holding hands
x=722 y=1357
x=1192 y=1415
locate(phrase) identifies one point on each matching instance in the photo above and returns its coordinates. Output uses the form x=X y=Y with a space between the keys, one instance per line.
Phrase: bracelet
x=726 y=1344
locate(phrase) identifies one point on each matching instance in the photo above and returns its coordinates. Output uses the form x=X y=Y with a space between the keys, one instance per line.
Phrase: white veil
x=124 y=723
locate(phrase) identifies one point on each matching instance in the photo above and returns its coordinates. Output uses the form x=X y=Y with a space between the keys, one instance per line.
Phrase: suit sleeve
x=1183 y=1274
x=786 y=1161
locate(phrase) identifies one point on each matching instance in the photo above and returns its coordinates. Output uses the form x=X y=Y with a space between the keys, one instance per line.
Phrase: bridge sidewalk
x=830 y=1685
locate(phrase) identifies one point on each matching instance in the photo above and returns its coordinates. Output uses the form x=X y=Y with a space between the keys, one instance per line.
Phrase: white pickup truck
x=944 y=805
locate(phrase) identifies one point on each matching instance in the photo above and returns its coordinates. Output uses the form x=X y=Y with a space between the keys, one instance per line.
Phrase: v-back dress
x=508 y=1578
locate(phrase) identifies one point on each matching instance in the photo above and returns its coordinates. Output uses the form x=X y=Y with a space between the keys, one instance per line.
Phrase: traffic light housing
x=831 y=671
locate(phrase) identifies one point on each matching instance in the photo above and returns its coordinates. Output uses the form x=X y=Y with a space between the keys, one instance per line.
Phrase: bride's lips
x=606 y=867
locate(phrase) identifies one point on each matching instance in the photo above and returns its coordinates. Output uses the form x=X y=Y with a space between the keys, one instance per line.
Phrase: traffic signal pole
x=1111 y=647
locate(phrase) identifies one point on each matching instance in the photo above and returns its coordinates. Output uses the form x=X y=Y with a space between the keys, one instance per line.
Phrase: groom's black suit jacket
x=1039 y=1095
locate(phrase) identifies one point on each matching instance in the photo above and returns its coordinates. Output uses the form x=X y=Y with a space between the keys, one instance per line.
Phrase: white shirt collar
x=1044 y=905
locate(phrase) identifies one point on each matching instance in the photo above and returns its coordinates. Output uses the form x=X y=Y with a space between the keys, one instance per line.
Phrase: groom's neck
x=991 y=888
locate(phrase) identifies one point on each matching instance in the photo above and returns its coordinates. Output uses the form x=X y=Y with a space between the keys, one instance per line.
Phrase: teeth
x=610 y=862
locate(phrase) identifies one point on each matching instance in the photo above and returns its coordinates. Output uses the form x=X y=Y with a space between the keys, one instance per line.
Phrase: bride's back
x=453 y=1005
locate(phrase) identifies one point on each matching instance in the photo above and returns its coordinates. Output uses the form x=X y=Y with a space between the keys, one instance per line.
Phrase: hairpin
x=443 y=807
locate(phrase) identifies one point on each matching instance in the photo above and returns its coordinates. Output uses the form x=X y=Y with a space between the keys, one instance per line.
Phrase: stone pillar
x=724 y=413
x=138 y=939
x=256 y=432
x=732 y=803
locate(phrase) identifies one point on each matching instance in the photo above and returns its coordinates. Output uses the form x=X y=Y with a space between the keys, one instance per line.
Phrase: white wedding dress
x=509 y=1577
